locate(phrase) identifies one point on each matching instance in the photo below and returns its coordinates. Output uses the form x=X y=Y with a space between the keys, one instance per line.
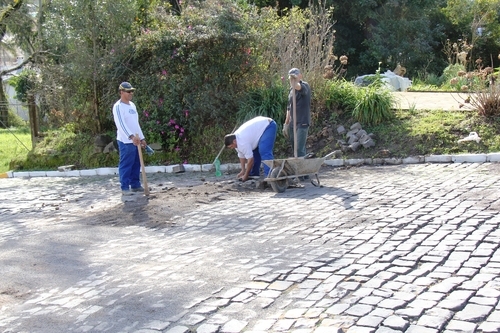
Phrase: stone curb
x=466 y=158
x=114 y=171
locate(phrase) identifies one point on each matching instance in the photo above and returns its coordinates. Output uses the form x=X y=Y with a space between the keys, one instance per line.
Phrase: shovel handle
x=143 y=169
x=294 y=113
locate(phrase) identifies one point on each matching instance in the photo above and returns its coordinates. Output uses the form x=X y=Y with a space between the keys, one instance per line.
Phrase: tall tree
x=89 y=43
x=477 y=22
x=400 y=32
x=388 y=31
x=16 y=23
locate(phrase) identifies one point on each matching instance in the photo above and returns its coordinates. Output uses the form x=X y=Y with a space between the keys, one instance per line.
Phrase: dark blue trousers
x=129 y=167
x=264 y=150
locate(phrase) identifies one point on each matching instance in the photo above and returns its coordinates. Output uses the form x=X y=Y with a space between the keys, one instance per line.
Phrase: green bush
x=265 y=101
x=427 y=82
x=434 y=80
x=14 y=120
x=23 y=83
x=451 y=72
x=209 y=143
x=374 y=106
x=192 y=72
x=339 y=95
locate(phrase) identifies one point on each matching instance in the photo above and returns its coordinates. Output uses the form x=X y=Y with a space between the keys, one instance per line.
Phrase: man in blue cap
x=302 y=92
x=127 y=124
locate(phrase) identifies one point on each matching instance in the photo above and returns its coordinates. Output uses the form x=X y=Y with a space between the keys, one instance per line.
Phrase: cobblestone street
x=404 y=248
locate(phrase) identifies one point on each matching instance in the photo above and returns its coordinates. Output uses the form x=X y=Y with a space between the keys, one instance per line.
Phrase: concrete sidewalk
x=431 y=101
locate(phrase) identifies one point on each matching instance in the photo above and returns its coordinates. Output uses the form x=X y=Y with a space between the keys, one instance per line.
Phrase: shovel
x=143 y=170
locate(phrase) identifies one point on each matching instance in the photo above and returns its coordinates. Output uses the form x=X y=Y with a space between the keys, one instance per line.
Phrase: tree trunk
x=33 y=119
x=4 y=107
x=96 y=111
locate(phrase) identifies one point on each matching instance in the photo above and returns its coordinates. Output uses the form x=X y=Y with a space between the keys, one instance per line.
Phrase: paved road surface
x=430 y=101
x=407 y=248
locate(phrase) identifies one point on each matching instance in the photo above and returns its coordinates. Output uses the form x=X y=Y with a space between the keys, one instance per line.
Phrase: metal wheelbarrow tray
x=284 y=169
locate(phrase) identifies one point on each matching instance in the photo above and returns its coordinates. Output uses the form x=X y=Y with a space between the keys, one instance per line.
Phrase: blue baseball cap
x=126 y=86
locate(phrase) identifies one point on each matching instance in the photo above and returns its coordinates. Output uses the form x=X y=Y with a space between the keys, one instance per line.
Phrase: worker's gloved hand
x=285 y=130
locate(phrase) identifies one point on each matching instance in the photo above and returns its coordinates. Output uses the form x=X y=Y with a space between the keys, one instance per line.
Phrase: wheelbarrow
x=282 y=170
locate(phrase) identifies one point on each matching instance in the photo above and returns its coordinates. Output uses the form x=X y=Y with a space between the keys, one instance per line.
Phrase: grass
x=14 y=143
x=427 y=132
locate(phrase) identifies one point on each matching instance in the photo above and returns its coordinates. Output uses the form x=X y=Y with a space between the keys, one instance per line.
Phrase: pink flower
x=163 y=72
x=146 y=114
x=176 y=126
x=186 y=113
x=157 y=121
x=182 y=129
x=185 y=162
x=177 y=148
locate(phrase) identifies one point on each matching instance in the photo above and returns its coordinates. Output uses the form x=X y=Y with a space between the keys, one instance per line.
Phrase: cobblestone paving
x=411 y=248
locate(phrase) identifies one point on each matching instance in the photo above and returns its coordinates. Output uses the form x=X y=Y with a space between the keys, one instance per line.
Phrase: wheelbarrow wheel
x=278 y=186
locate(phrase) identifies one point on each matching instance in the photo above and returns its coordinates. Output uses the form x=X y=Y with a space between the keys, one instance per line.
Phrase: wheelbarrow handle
x=329 y=155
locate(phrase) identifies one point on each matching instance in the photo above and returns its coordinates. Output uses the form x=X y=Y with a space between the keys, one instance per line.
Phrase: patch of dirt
x=12 y=294
x=167 y=203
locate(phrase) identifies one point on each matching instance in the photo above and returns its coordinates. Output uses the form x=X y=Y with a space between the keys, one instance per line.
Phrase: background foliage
x=203 y=66
x=192 y=72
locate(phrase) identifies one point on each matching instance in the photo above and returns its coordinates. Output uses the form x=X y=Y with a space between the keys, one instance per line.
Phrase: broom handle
x=223 y=146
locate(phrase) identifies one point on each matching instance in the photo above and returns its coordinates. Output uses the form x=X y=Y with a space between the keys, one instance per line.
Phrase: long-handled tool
x=294 y=107
x=143 y=169
x=220 y=152
x=216 y=161
x=223 y=146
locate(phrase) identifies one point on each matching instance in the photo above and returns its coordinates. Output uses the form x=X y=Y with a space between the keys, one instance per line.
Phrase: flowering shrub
x=192 y=72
